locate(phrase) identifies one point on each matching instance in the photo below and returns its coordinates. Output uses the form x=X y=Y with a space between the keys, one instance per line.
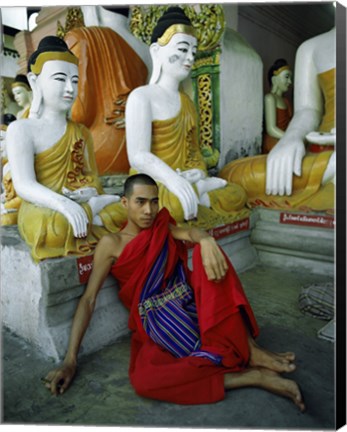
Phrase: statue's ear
x=32 y=79
x=156 y=63
x=36 y=103
x=154 y=48
x=274 y=80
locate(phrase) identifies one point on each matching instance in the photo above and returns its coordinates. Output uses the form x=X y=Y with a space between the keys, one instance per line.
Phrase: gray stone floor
x=101 y=393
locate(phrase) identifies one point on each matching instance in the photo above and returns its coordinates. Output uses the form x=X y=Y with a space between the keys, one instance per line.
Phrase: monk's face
x=142 y=206
x=58 y=82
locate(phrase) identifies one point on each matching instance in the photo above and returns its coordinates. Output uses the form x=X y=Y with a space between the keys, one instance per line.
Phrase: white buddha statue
x=299 y=172
x=161 y=132
x=63 y=210
x=22 y=95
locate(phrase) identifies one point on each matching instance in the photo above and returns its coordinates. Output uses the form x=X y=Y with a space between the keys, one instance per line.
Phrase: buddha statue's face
x=58 y=82
x=177 y=57
x=284 y=80
x=21 y=95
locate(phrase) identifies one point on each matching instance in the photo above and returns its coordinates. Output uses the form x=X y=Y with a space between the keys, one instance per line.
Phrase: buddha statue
x=277 y=108
x=64 y=210
x=112 y=62
x=161 y=133
x=299 y=172
x=10 y=202
x=22 y=95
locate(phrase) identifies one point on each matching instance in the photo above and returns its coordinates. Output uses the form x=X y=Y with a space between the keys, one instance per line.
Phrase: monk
x=64 y=209
x=192 y=332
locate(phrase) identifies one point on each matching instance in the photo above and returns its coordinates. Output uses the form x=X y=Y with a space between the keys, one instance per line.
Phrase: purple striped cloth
x=169 y=316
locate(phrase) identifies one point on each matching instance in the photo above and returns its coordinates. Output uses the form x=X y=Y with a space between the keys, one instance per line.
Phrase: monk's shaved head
x=137 y=179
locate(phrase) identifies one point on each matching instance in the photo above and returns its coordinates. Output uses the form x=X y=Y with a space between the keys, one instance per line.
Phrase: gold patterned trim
x=174 y=29
x=20 y=84
x=52 y=55
x=281 y=69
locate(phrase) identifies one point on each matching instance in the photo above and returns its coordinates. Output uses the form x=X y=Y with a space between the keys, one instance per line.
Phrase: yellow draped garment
x=175 y=141
x=69 y=163
x=308 y=194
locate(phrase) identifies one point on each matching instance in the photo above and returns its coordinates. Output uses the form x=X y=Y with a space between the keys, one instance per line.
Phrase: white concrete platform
x=295 y=240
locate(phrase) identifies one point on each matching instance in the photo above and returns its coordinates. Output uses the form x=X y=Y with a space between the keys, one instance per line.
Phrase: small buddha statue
x=161 y=132
x=64 y=210
x=277 y=108
x=22 y=95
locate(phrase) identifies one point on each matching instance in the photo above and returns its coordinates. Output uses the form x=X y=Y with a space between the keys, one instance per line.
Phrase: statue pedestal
x=294 y=240
x=39 y=300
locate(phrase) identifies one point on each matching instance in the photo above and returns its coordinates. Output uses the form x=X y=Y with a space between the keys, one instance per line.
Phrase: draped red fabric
x=225 y=318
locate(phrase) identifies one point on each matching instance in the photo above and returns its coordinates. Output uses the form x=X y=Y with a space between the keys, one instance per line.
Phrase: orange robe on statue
x=109 y=69
x=222 y=309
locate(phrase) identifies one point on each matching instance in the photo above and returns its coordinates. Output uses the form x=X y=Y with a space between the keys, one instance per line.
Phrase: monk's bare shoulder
x=113 y=244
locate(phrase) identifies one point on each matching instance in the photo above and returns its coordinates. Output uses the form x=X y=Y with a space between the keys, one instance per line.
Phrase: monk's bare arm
x=213 y=259
x=59 y=379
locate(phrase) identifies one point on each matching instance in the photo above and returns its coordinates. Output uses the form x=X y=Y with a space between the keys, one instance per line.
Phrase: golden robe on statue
x=69 y=163
x=175 y=141
x=308 y=193
x=109 y=69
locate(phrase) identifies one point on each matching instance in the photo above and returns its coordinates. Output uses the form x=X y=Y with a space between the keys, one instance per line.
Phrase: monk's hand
x=213 y=260
x=59 y=379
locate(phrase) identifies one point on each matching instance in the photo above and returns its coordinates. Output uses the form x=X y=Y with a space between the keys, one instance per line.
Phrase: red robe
x=223 y=311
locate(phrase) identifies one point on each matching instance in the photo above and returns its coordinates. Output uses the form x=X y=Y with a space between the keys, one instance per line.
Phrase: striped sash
x=169 y=317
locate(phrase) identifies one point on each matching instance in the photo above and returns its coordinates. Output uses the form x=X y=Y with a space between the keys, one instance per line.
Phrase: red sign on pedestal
x=84 y=268
x=226 y=230
x=326 y=221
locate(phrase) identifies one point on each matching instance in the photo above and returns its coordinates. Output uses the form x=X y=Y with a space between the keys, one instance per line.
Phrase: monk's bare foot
x=274 y=383
x=278 y=362
x=267 y=380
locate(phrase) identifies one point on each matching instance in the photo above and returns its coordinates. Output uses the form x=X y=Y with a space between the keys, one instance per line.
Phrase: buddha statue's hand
x=184 y=191
x=80 y=195
x=76 y=216
x=284 y=160
x=192 y=175
x=322 y=138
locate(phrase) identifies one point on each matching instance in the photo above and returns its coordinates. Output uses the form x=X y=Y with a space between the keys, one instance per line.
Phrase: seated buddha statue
x=161 y=132
x=112 y=62
x=22 y=95
x=277 y=108
x=299 y=172
x=10 y=202
x=64 y=210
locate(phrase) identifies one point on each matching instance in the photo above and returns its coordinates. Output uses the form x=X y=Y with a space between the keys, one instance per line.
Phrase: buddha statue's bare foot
x=209 y=184
x=97 y=203
x=277 y=362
